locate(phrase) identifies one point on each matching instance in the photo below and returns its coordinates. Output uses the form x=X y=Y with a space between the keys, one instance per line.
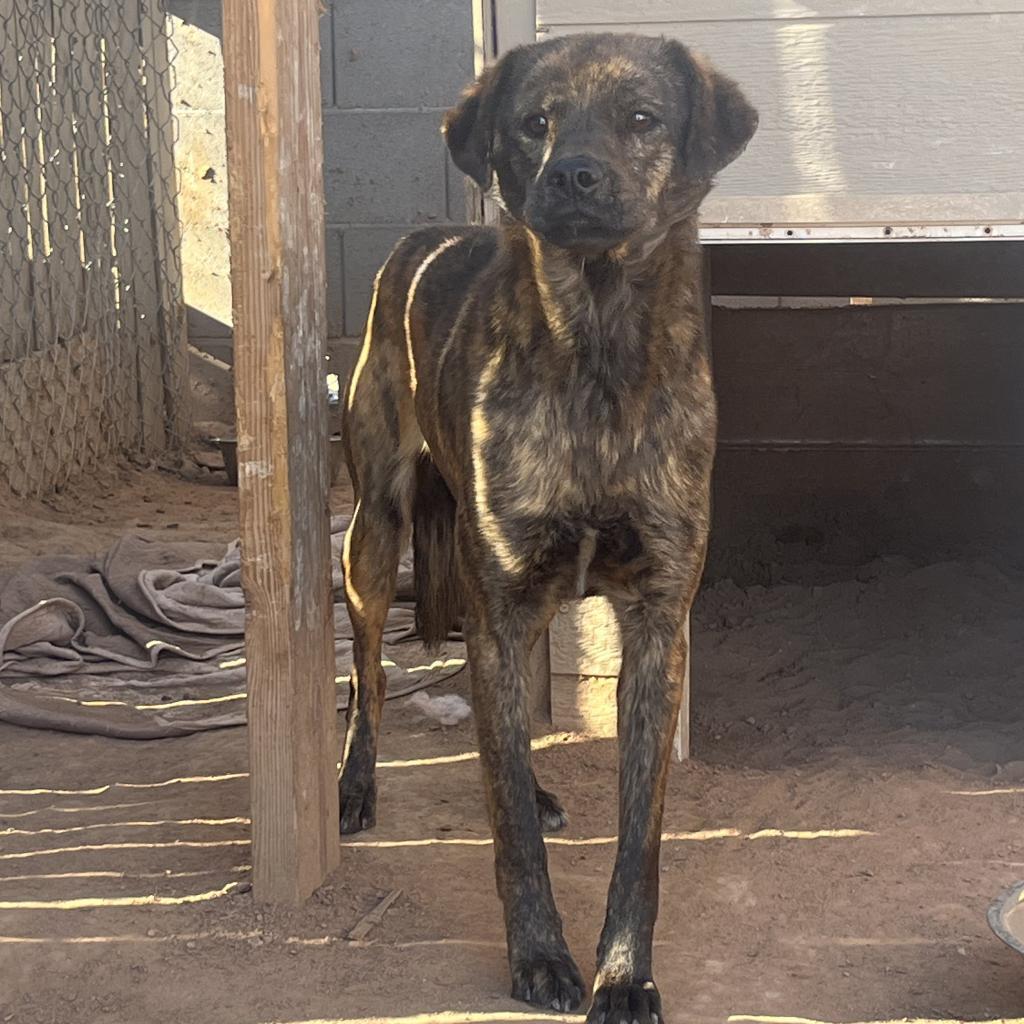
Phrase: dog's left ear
x=469 y=128
x=720 y=121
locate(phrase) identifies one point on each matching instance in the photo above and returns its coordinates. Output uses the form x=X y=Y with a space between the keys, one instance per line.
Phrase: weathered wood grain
x=585 y=639
x=272 y=88
x=374 y=917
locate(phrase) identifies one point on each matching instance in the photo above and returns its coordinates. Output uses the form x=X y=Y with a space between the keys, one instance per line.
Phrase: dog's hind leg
x=372 y=548
x=382 y=444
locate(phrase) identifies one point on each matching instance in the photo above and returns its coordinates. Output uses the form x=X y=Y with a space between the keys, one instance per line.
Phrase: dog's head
x=596 y=140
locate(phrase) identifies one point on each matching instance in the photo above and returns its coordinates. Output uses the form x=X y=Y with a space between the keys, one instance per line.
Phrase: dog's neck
x=603 y=300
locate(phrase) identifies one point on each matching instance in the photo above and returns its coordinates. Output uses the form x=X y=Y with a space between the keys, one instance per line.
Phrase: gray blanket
x=147 y=640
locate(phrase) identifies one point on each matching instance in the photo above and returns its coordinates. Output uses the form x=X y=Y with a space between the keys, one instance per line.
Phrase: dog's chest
x=594 y=429
x=550 y=457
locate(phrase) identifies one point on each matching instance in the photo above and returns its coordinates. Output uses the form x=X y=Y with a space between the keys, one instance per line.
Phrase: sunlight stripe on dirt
x=97 y=902
x=123 y=876
x=122 y=824
x=97 y=790
x=99 y=847
x=702 y=836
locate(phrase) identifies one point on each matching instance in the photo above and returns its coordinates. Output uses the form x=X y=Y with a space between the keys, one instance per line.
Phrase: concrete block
x=201 y=161
x=327 y=61
x=402 y=53
x=198 y=61
x=334 y=259
x=365 y=250
x=384 y=168
x=458 y=192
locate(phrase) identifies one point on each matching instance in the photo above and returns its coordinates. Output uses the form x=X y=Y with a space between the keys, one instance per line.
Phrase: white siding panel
x=614 y=12
x=863 y=120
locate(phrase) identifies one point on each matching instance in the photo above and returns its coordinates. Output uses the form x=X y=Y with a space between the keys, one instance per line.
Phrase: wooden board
x=275 y=159
x=871 y=376
x=681 y=743
x=539 y=694
x=989 y=269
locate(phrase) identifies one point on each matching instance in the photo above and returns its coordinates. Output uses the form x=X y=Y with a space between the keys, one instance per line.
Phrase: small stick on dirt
x=370 y=920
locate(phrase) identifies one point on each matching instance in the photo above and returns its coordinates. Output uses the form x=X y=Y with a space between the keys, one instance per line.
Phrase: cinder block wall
x=390 y=68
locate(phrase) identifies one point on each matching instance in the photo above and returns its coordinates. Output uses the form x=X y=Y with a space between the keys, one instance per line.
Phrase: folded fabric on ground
x=146 y=640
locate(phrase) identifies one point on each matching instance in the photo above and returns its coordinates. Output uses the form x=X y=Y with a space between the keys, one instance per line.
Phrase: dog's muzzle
x=572 y=206
x=574 y=178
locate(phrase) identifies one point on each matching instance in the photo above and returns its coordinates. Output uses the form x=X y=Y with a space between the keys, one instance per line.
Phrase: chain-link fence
x=93 y=358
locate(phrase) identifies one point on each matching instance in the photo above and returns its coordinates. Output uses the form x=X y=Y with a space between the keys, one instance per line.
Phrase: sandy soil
x=854 y=805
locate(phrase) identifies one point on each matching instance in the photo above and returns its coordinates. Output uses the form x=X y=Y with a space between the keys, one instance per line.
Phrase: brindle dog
x=535 y=402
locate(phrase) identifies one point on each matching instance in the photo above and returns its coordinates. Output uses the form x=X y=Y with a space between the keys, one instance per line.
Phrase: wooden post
x=538 y=697
x=682 y=741
x=275 y=190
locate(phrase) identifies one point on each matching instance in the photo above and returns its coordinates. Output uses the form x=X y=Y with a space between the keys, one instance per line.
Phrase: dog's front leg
x=499 y=631
x=650 y=692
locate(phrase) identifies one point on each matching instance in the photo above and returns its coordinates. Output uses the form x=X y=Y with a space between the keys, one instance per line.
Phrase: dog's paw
x=636 y=1002
x=551 y=982
x=552 y=814
x=358 y=804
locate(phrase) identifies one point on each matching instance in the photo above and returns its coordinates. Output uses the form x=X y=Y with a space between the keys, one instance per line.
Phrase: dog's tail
x=438 y=597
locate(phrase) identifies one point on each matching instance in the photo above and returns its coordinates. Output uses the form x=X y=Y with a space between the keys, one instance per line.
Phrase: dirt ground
x=854 y=804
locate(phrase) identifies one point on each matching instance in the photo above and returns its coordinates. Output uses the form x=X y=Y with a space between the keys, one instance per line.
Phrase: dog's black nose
x=575 y=175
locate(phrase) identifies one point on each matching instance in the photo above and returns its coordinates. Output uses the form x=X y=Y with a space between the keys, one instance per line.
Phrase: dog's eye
x=535 y=125
x=641 y=121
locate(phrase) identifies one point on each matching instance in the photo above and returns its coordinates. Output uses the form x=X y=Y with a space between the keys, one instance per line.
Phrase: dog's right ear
x=469 y=128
